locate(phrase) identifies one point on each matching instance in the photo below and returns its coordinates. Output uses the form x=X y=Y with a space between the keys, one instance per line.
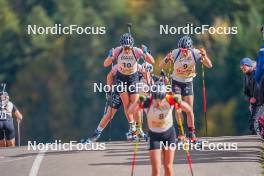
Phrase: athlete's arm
x=185 y=107
x=17 y=113
x=145 y=74
x=110 y=58
x=109 y=78
x=166 y=60
x=205 y=59
x=147 y=56
x=141 y=103
x=110 y=75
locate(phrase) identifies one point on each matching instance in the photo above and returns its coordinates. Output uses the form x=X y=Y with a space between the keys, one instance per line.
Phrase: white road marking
x=36 y=164
x=5 y=161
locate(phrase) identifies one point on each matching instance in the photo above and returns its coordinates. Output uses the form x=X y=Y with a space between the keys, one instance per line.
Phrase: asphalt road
x=116 y=160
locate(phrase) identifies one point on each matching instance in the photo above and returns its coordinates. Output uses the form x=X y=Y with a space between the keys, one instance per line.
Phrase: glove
x=145 y=49
x=142 y=98
x=177 y=99
x=110 y=53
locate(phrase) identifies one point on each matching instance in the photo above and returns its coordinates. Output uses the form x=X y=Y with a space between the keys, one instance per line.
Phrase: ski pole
x=262 y=31
x=204 y=100
x=111 y=102
x=179 y=113
x=18 y=132
x=129 y=26
x=136 y=146
x=3 y=86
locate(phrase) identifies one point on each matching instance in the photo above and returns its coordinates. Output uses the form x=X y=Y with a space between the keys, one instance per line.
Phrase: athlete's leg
x=190 y=117
x=10 y=133
x=137 y=118
x=155 y=159
x=11 y=143
x=168 y=161
x=2 y=143
x=133 y=98
x=2 y=135
x=178 y=115
x=107 y=117
x=125 y=100
x=177 y=90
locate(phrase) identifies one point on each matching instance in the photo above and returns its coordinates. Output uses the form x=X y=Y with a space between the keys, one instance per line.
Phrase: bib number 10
x=127 y=65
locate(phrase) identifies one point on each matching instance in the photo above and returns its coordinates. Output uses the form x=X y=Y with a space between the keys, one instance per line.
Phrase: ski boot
x=141 y=134
x=86 y=141
x=95 y=136
x=131 y=135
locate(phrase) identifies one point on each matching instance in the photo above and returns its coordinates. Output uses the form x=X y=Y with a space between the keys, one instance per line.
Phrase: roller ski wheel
x=95 y=136
x=142 y=135
x=132 y=137
x=86 y=141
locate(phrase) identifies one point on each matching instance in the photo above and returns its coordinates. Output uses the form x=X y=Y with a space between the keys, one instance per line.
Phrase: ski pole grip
x=129 y=26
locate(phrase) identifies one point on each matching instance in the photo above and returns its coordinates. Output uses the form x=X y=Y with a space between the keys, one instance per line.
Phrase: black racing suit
x=7 y=129
x=251 y=90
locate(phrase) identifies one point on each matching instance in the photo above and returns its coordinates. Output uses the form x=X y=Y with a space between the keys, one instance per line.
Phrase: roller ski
x=135 y=134
x=142 y=135
x=95 y=136
x=131 y=135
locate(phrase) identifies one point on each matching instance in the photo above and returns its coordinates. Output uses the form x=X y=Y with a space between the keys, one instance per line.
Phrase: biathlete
x=7 y=129
x=127 y=57
x=184 y=60
x=114 y=103
x=158 y=108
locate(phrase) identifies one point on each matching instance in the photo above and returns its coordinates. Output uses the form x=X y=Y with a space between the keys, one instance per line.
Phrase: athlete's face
x=127 y=50
x=184 y=51
x=4 y=98
x=158 y=102
x=245 y=69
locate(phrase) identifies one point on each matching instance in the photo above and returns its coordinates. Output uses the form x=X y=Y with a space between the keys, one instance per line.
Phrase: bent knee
x=168 y=167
